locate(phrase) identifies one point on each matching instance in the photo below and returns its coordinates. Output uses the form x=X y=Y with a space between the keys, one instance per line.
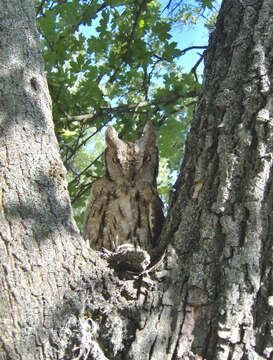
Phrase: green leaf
x=68 y=134
x=102 y=54
x=141 y=23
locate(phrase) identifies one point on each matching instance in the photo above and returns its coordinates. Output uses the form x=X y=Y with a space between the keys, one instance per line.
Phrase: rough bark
x=42 y=255
x=220 y=222
x=212 y=297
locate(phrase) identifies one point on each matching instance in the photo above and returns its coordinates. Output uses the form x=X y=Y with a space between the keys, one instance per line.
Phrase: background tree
x=116 y=62
x=212 y=296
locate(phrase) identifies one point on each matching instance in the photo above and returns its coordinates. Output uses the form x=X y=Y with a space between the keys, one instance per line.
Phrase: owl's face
x=129 y=163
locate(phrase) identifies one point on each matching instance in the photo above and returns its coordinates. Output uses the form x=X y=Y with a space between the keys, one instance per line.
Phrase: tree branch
x=192 y=48
x=164 y=100
x=81 y=173
x=39 y=8
x=84 y=142
x=193 y=70
x=83 y=189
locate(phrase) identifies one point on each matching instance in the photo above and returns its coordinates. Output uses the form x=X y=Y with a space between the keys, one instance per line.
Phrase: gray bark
x=220 y=221
x=41 y=251
x=212 y=296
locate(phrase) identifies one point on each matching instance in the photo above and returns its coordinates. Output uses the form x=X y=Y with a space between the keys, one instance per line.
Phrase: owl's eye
x=115 y=160
x=147 y=158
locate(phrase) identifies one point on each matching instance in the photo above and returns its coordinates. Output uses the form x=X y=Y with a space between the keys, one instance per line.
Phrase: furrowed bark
x=212 y=296
x=220 y=221
x=215 y=300
x=41 y=252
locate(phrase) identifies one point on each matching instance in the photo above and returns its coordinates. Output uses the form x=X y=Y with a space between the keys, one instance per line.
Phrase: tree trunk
x=212 y=298
x=41 y=252
x=220 y=223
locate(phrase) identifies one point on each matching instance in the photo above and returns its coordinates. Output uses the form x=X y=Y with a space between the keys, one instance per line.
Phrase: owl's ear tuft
x=111 y=137
x=149 y=135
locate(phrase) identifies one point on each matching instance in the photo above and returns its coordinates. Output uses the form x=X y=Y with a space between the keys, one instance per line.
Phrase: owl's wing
x=95 y=212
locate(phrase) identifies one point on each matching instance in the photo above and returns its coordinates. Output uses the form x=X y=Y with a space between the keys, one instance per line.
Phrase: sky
x=191 y=35
x=186 y=36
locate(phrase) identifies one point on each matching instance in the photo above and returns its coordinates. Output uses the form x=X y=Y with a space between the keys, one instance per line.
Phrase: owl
x=124 y=206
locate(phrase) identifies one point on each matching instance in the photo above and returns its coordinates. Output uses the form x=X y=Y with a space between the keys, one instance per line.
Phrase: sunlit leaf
x=115 y=62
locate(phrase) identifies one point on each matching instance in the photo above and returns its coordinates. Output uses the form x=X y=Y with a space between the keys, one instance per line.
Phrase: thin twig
x=192 y=48
x=80 y=174
x=84 y=188
x=193 y=70
x=85 y=141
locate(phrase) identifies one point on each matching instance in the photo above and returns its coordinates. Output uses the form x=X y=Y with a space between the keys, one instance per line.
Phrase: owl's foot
x=128 y=258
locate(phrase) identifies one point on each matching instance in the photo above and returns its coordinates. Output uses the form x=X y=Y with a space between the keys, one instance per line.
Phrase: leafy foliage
x=115 y=62
x=211 y=22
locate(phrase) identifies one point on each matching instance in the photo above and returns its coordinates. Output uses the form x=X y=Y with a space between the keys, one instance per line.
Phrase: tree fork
x=211 y=298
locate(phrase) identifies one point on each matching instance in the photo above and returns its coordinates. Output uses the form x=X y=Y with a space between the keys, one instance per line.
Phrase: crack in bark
x=152 y=348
